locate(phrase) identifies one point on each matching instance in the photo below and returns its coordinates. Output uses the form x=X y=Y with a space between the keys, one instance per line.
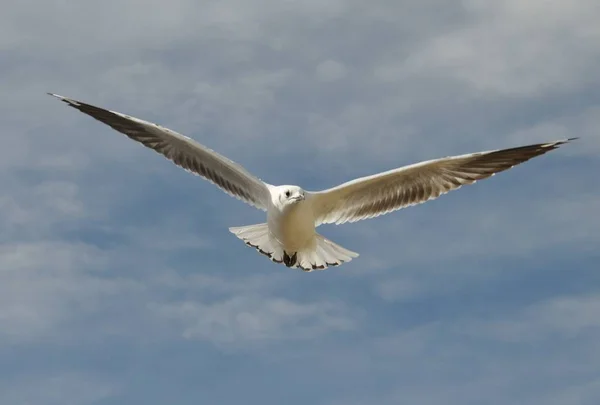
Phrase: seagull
x=289 y=236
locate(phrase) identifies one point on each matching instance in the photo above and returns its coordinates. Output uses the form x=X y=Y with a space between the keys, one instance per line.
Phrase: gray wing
x=371 y=196
x=184 y=152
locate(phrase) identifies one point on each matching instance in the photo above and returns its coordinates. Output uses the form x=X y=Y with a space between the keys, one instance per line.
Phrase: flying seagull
x=289 y=235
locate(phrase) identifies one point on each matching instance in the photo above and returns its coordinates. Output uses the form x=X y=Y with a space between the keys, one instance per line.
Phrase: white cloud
x=45 y=286
x=583 y=124
x=104 y=240
x=250 y=319
x=38 y=207
x=513 y=49
x=552 y=356
x=445 y=257
x=563 y=318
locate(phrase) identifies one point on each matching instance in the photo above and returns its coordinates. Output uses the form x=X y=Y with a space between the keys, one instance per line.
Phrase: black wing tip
x=563 y=141
x=67 y=100
x=556 y=144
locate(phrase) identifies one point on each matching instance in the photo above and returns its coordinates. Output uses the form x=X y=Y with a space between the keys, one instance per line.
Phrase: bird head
x=289 y=195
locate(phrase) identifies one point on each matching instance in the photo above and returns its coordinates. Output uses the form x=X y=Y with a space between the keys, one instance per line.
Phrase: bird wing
x=184 y=152
x=371 y=196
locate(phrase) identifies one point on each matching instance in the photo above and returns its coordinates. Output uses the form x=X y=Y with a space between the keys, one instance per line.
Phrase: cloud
x=117 y=266
x=582 y=124
x=508 y=245
x=561 y=318
x=508 y=50
x=49 y=286
x=250 y=319
x=528 y=367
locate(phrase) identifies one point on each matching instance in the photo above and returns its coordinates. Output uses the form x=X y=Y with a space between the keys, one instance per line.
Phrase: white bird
x=289 y=235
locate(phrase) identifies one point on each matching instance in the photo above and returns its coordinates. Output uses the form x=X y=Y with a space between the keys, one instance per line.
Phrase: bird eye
x=287 y=193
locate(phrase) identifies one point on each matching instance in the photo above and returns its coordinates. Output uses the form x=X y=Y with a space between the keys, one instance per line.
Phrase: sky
x=120 y=283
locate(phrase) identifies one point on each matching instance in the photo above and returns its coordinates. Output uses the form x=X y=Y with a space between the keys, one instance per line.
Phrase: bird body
x=292 y=223
x=289 y=236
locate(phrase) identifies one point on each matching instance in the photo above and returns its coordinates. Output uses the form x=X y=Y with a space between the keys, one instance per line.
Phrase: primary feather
x=184 y=152
x=371 y=196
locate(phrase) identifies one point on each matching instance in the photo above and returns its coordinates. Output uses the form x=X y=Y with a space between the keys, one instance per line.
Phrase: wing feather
x=371 y=196
x=184 y=152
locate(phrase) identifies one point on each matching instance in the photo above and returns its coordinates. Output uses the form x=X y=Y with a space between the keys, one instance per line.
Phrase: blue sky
x=120 y=283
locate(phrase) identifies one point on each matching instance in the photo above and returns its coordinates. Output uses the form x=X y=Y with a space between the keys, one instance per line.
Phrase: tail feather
x=258 y=237
x=322 y=254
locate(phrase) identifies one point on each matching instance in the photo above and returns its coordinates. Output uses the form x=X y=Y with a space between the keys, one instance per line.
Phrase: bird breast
x=293 y=226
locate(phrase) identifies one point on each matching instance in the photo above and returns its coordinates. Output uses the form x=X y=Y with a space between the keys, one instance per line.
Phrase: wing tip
x=559 y=142
x=64 y=99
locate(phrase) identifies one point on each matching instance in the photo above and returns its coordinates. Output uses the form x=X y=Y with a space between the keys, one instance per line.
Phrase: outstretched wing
x=371 y=196
x=184 y=152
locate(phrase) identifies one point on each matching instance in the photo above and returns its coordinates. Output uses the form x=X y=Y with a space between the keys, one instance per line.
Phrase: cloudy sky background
x=120 y=284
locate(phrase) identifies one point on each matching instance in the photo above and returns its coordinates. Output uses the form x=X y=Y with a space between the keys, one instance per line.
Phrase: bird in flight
x=289 y=236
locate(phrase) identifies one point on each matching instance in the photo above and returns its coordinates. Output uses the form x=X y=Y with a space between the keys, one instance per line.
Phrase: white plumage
x=289 y=234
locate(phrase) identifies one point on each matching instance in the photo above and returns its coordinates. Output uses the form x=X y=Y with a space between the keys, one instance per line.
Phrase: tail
x=259 y=237
x=321 y=254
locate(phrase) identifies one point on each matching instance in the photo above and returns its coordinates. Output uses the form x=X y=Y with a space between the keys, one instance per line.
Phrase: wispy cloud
x=120 y=283
x=506 y=49
x=560 y=318
x=255 y=319
x=481 y=358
